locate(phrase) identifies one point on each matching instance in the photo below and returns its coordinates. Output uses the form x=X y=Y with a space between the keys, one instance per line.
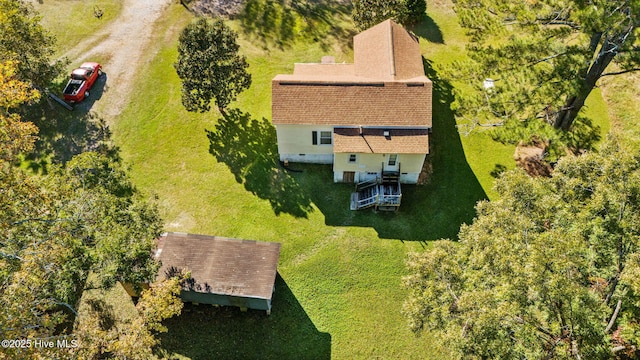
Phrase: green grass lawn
x=622 y=94
x=339 y=293
x=71 y=21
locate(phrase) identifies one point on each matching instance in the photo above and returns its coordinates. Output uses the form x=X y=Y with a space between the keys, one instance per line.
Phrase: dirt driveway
x=125 y=44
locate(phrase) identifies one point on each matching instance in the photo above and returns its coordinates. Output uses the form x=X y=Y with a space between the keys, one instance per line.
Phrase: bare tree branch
x=618 y=348
x=613 y=317
x=620 y=72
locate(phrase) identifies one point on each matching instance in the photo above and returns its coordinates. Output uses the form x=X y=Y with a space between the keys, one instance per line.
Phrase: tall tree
x=367 y=13
x=16 y=136
x=55 y=229
x=416 y=10
x=210 y=66
x=548 y=271
x=23 y=39
x=132 y=338
x=545 y=57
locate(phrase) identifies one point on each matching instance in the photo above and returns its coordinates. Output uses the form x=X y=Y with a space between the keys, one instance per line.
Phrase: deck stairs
x=383 y=194
x=365 y=196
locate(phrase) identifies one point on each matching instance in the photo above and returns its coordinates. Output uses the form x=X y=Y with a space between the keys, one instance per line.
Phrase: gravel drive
x=124 y=43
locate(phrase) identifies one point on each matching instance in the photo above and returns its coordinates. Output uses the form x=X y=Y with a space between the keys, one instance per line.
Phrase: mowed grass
x=72 y=21
x=339 y=291
x=622 y=94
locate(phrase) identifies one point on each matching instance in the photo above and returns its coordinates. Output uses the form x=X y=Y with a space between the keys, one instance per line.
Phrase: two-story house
x=369 y=119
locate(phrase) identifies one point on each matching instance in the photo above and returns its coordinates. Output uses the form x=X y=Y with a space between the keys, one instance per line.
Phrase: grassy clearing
x=442 y=42
x=622 y=94
x=71 y=21
x=339 y=291
x=339 y=294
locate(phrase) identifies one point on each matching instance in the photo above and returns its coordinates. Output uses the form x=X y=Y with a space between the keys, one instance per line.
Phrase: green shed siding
x=226 y=300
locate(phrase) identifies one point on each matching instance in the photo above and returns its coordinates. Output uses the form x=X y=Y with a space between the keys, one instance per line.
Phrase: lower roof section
x=381 y=141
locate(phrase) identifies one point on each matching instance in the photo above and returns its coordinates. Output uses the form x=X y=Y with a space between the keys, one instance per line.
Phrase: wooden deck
x=382 y=194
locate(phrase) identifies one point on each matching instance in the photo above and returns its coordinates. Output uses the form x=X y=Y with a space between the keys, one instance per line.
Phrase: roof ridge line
x=392 y=58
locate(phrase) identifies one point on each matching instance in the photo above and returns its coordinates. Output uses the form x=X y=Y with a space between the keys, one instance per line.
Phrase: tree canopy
x=416 y=10
x=550 y=270
x=367 y=13
x=25 y=41
x=132 y=338
x=545 y=57
x=57 y=228
x=16 y=136
x=210 y=66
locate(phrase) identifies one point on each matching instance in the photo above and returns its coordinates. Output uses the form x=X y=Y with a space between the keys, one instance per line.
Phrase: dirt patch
x=225 y=8
x=532 y=159
x=427 y=170
x=231 y=8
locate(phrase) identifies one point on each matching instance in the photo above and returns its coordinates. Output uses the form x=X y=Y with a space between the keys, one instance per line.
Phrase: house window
x=352 y=158
x=325 y=137
x=393 y=158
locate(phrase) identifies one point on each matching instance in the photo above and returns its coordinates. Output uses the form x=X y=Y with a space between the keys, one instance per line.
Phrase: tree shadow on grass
x=280 y=22
x=428 y=30
x=207 y=332
x=583 y=136
x=249 y=148
x=497 y=171
x=64 y=134
x=428 y=212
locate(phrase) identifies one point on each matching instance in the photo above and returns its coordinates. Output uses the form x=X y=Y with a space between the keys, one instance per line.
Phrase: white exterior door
x=392 y=162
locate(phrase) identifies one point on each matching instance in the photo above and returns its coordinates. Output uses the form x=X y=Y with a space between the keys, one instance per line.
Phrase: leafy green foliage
x=209 y=65
x=367 y=13
x=416 y=10
x=24 y=40
x=132 y=338
x=13 y=92
x=16 y=136
x=55 y=229
x=548 y=270
x=545 y=58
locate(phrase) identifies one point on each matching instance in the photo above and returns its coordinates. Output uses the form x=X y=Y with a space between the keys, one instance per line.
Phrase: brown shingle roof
x=221 y=265
x=385 y=86
x=388 y=52
x=316 y=71
x=384 y=104
x=399 y=141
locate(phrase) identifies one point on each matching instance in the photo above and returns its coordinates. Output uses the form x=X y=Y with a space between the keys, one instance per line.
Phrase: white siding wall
x=295 y=144
x=366 y=164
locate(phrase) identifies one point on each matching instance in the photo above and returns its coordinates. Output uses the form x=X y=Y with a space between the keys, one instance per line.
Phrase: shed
x=224 y=271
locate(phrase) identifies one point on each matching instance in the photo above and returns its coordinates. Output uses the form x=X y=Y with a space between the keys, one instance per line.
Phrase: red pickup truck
x=82 y=79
